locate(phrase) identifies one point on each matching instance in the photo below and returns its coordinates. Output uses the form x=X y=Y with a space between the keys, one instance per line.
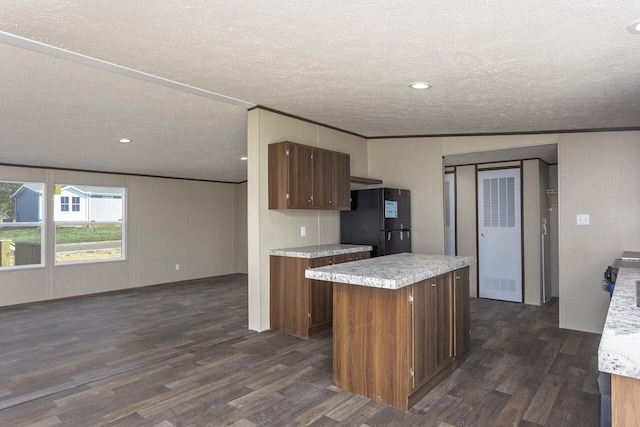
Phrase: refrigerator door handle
x=408 y=235
x=401 y=233
x=389 y=236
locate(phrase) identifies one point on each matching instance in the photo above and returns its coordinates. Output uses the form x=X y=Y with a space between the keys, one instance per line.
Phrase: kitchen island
x=619 y=351
x=400 y=323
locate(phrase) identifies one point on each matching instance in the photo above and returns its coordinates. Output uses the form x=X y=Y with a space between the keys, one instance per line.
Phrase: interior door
x=449 y=214
x=500 y=235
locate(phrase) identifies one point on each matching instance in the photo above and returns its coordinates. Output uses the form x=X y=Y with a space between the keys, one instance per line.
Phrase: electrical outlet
x=582 y=219
x=177 y=267
x=303 y=231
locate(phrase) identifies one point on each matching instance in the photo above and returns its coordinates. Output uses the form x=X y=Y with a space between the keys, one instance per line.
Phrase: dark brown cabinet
x=432 y=332
x=300 y=306
x=303 y=177
x=394 y=346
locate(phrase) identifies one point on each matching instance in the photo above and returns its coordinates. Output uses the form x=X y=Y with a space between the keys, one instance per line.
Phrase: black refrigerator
x=380 y=217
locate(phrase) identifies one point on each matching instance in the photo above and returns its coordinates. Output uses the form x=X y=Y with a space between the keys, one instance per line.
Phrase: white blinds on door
x=499 y=202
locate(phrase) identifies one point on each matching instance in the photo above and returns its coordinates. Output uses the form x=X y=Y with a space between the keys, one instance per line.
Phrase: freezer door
x=396 y=209
x=394 y=242
x=360 y=225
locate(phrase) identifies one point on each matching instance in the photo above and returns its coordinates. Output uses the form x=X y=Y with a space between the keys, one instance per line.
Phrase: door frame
x=455 y=207
x=521 y=167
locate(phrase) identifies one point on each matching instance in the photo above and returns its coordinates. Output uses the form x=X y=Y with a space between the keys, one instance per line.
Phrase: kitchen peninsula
x=400 y=323
x=300 y=306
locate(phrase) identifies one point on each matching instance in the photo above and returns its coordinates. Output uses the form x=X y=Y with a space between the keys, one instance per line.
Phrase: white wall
x=599 y=175
x=270 y=229
x=414 y=164
x=241 y=229
x=466 y=227
x=169 y=222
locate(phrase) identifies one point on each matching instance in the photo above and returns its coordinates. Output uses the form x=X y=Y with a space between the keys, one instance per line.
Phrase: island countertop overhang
x=391 y=271
x=619 y=351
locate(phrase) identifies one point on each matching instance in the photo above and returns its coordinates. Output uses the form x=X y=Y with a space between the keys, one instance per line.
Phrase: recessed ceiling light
x=634 y=28
x=420 y=85
x=244 y=158
x=125 y=141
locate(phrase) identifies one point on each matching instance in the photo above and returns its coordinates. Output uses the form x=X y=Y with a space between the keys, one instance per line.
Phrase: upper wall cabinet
x=303 y=177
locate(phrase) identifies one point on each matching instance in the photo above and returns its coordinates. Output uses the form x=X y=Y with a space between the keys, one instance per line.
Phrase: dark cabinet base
x=299 y=306
x=394 y=346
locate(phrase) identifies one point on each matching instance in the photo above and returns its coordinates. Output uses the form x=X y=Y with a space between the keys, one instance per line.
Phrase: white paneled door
x=449 y=214
x=500 y=235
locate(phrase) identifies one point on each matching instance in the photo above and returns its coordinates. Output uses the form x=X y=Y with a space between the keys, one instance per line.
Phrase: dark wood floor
x=180 y=355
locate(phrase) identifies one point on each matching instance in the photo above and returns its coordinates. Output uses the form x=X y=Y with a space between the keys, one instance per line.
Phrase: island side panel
x=624 y=396
x=370 y=342
x=463 y=312
x=289 y=295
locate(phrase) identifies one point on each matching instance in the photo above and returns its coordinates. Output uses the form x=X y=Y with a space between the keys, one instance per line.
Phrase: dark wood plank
x=180 y=354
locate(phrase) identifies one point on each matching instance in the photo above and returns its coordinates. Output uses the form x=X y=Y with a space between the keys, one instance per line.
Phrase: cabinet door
x=320 y=295
x=423 y=332
x=341 y=181
x=289 y=295
x=444 y=319
x=462 y=314
x=322 y=179
x=339 y=259
x=361 y=255
x=300 y=180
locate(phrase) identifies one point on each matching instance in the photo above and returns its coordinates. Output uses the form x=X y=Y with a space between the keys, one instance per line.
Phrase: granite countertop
x=619 y=351
x=319 y=251
x=391 y=271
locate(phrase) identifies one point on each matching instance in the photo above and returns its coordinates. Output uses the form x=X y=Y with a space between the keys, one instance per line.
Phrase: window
x=21 y=214
x=93 y=233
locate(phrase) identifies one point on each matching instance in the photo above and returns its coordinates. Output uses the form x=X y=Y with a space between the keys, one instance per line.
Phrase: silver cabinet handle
x=329 y=201
x=389 y=236
x=433 y=285
x=457 y=277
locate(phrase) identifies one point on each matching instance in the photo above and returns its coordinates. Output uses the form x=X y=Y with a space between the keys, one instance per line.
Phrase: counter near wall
x=300 y=306
x=319 y=251
x=619 y=352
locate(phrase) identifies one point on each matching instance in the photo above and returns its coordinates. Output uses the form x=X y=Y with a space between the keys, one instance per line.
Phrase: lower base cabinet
x=394 y=346
x=299 y=306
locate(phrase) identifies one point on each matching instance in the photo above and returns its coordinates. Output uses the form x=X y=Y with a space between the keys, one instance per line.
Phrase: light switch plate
x=303 y=231
x=582 y=219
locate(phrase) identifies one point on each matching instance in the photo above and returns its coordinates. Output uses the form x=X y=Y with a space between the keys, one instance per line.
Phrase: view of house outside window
x=88 y=223
x=22 y=208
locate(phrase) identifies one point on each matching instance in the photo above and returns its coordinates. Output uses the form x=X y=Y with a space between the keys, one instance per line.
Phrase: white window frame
x=42 y=224
x=74 y=204
x=122 y=224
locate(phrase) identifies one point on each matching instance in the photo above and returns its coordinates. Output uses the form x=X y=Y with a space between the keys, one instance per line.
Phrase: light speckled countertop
x=619 y=351
x=391 y=271
x=319 y=251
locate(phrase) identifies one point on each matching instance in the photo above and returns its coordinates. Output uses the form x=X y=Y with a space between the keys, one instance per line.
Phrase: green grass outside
x=64 y=234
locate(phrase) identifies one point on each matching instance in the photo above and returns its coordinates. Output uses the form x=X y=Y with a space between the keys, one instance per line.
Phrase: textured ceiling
x=495 y=66
x=548 y=153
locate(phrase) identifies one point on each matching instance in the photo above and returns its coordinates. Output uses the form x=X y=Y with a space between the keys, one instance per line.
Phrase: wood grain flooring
x=181 y=355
